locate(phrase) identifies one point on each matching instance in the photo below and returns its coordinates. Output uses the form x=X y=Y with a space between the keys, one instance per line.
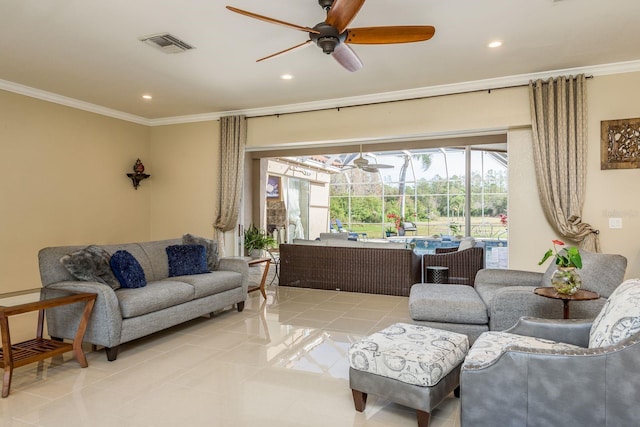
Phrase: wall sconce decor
x=138 y=175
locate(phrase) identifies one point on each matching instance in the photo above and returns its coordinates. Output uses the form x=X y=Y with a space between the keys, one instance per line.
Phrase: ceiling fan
x=363 y=164
x=333 y=36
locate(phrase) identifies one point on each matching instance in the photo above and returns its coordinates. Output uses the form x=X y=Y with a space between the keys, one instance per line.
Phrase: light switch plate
x=615 y=222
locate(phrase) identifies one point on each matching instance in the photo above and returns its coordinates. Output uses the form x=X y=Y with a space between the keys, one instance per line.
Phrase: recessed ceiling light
x=496 y=43
x=286 y=77
x=147 y=97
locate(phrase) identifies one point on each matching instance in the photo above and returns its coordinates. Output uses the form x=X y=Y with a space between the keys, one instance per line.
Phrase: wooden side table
x=20 y=354
x=580 y=295
x=252 y=261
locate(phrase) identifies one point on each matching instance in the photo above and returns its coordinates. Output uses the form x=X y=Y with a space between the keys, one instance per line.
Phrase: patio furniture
x=558 y=372
x=410 y=226
x=463 y=264
x=414 y=366
x=368 y=267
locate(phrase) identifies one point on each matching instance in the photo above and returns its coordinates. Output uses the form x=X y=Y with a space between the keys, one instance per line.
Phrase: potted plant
x=390 y=231
x=256 y=240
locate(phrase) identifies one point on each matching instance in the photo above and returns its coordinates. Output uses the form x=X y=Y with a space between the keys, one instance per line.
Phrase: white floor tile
x=279 y=363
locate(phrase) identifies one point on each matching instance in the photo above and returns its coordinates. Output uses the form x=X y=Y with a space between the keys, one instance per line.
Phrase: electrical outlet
x=615 y=222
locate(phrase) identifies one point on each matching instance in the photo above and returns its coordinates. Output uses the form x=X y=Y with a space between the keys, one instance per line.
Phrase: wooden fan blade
x=346 y=57
x=304 y=44
x=386 y=35
x=272 y=21
x=342 y=13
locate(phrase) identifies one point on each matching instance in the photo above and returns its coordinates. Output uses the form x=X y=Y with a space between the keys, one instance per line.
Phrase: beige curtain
x=233 y=137
x=559 y=121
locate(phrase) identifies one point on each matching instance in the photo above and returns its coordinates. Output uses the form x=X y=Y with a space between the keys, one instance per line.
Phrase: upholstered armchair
x=545 y=372
x=463 y=264
x=508 y=294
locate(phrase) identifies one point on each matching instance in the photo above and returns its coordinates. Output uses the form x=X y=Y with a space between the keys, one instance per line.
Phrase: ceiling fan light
x=328 y=44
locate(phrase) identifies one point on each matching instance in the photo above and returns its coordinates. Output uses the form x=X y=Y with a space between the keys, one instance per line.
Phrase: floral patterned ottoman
x=412 y=365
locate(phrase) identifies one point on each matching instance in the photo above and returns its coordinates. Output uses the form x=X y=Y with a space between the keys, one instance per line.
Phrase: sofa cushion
x=213 y=258
x=127 y=270
x=153 y=297
x=447 y=304
x=186 y=259
x=619 y=318
x=91 y=264
x=211 y=283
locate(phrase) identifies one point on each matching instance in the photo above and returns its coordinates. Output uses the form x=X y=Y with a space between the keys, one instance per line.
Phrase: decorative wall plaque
x=620 y=144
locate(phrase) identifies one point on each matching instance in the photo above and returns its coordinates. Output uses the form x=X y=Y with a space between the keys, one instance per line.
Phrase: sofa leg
x=456 y=391
x=240 y=306
x=112 y=353
x=57 y=339
x=423 y=418
x=359 y=400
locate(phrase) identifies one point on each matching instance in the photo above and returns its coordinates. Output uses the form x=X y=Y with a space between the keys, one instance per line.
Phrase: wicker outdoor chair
x=463 y=265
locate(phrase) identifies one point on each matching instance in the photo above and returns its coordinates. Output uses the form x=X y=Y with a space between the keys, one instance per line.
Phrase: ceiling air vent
x=166 y=43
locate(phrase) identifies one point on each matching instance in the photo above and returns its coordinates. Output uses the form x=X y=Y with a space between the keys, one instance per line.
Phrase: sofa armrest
x=570 y=331
x=495 y=276
x=105 y=324
x=510 y=303
x=239 y=266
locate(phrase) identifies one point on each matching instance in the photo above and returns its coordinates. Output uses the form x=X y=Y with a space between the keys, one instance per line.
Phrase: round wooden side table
x=580 y=295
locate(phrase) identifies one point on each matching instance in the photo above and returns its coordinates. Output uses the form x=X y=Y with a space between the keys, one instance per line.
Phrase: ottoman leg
x=359 y=400
x=423 y=418
x=456 y=392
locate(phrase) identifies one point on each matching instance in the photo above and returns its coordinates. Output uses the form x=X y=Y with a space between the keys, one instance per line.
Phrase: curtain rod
x=398 y=100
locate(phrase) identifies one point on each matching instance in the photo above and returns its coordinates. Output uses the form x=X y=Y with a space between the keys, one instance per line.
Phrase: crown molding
x=70 y=102
x=402 y=95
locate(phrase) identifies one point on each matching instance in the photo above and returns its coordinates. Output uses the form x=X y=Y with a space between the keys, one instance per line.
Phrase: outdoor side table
x=437 y=274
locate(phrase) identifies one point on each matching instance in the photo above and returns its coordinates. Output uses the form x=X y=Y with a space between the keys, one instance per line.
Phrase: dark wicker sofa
x=352 y=267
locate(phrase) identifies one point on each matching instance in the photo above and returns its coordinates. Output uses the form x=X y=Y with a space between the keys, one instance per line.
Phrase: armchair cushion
x=491 y=345
x=466 y=243
x=619 y=318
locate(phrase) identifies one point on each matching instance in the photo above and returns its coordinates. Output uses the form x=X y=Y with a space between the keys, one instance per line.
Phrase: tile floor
x=281 y=362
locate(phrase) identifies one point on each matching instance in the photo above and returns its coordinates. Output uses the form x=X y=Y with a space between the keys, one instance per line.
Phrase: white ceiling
x=89 y=51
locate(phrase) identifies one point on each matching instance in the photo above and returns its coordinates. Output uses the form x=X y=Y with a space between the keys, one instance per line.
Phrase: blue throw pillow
x=127 y=270
x=185 y=260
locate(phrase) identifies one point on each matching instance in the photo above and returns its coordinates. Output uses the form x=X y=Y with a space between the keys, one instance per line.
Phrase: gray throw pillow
x=213 y=260
x=91 y=264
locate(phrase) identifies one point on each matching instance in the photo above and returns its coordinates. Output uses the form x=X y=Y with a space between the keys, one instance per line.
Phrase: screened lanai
x=426 y=196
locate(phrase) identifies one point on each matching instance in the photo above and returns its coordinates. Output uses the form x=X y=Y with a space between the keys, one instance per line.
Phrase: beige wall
x=185 y=159
x=63 y=182
x=609 y=193
x=431 y=117
x=63 y=169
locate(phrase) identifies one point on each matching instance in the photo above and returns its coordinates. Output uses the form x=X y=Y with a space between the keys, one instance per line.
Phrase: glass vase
x=566 y=280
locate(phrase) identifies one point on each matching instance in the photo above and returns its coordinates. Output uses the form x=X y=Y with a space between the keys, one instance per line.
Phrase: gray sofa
x=125 y=314
x=500 y=297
